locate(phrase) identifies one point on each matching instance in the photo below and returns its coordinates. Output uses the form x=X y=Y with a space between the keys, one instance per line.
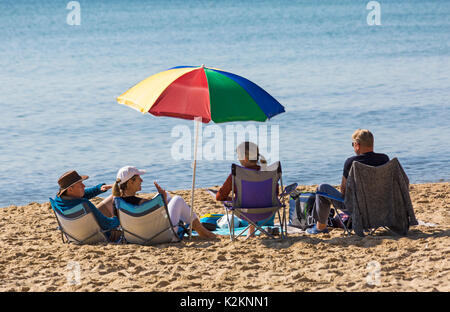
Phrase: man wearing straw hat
x=72 y=192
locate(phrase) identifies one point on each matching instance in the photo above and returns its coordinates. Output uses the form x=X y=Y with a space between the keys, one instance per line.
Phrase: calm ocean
x=332 y=72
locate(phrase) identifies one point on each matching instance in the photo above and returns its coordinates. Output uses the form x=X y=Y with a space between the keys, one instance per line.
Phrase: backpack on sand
x=301 y=210
x=209 y=220
x=301 y=206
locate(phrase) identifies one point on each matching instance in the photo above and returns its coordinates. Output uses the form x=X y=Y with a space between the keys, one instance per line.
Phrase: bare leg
x=179 y=210
x=106 y=206
x=201 y=230
x=251 y=231
x=323 y=205
x=321 y=226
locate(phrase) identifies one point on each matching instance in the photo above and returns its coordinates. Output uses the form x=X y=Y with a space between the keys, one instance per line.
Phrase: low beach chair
x=255 y=199
x=78 y=225
x=379 y=197
x=146 y=224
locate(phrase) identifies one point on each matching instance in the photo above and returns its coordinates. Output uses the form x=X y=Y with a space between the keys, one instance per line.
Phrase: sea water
x=331 y=67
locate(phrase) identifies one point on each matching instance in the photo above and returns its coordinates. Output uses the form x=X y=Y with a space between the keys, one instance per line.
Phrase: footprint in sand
x=162 y=284
x=107 y=271
x=250 y=267
x=139 y=269
x=221 y=258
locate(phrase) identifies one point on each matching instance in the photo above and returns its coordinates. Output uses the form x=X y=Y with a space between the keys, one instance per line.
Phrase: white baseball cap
x=249 y=148
x=127 y=172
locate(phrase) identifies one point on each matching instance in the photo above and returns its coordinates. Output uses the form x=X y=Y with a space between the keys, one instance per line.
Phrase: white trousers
x=179 y=211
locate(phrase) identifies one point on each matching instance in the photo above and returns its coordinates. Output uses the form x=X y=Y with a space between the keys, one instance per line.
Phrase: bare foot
x=207 y=234
x=201 y=230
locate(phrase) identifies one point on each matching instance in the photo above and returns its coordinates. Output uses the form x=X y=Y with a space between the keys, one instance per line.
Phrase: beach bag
x=223 y=222
x=301 y=209
x=209 y=220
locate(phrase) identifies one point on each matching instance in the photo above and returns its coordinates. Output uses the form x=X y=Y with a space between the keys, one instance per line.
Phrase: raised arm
x=225 y=190
x=161 y=191
x=94 y=191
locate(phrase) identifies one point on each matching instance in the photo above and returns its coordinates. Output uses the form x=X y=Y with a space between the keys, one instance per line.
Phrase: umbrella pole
x=197 y=122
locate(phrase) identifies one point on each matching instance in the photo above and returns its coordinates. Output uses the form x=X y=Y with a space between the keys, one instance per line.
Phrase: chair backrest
x=255 y=189
x=379 y=196
x=255 y=192
x=146 y=224
x=79 y=224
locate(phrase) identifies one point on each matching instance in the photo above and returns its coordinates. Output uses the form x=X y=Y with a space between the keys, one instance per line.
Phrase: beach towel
x=226 y=231
x=242 y=223
x=379 y=196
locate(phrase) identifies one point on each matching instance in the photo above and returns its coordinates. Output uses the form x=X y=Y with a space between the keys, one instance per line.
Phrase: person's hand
x=105 y=187
x=161 y=191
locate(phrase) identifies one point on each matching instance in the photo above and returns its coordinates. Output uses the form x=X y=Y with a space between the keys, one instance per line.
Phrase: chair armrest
x=289 y=189
x=228 y=204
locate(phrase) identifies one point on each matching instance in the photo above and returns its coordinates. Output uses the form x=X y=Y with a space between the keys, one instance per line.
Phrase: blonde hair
x=249 y=150
x=364 y=137
x=118 y=189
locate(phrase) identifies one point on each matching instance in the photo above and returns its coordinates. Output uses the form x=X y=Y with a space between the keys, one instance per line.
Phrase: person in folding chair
x=72 y=192
x=128 y=183
x=249 y=157
x=363 y=146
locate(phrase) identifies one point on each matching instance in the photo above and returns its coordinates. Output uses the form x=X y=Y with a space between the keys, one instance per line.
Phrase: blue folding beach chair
x=79 y=225
x=340 y=213
x=255 y=199
x=148 y=223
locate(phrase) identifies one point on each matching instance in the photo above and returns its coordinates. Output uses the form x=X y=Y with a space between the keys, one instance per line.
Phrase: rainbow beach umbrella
x=187 y=92
x=201 y=93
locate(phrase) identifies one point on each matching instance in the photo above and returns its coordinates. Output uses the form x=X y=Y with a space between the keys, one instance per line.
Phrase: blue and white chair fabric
x=343 y=216
x=78 y=225
x=146 y=224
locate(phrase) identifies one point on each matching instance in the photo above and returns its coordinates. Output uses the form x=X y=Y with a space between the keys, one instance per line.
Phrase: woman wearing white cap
x=128 y=183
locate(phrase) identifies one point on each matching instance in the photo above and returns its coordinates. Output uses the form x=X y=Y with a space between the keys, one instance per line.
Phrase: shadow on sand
x=344 y=241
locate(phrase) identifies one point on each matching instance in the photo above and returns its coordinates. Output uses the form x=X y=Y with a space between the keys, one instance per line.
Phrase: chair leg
x=347 y=231
x=285 y=222
x=62 y=237
x=230 y=225
x=242 y=232
x=372 y=231
x=283 y=230
x=259 y=227
x=395 y=234
x=281 y=223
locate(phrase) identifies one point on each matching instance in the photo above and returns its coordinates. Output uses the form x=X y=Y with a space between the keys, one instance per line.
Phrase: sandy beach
x=33 y=257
